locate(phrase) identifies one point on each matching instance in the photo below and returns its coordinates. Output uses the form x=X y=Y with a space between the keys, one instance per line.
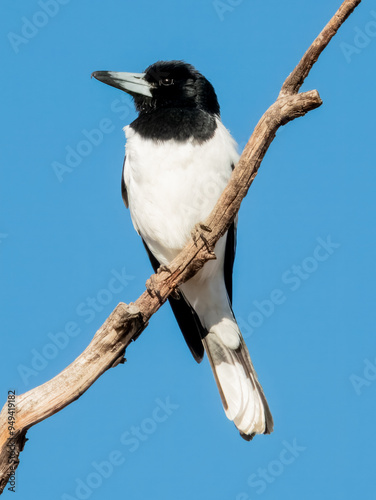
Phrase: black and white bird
x=179 y=158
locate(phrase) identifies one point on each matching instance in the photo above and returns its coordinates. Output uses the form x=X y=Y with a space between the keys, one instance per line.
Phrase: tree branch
x=126 y=322
x=296 y=79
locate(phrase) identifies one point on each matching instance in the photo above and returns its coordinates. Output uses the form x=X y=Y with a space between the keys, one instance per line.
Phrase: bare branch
x=126 y=322
x=296 y=79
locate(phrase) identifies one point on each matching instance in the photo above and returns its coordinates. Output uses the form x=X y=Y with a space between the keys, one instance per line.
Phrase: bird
x=178 y=159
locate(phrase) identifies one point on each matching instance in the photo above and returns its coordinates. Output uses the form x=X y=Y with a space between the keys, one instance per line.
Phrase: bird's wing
x=186 y=317
x=229 y=258
x=230 y=255
x=124 y=187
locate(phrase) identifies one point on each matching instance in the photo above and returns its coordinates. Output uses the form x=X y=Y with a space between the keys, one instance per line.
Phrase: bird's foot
x=162 y=269
x=198 y=233
x=174 y=294
x=151 y=287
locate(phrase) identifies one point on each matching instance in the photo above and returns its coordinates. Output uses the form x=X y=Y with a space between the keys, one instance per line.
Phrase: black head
x=176 y=84
x=165 y=84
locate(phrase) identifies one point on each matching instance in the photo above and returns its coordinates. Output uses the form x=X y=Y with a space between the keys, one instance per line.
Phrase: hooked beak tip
x=132 y=83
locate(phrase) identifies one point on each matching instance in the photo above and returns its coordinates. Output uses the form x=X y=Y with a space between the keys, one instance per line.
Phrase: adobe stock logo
x=41 y=357
x=222 y=7
x=367 y=377
x=31 y=27
x=265 y=476
x=130 y=440
x=75 y=155
x=90 y=139
x=292 y=280
x=361 y=40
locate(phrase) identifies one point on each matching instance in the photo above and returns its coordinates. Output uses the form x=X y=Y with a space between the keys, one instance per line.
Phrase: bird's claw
x=152 y=289
x=175 y=295
x=198 y=233
x=162 y=269
x=208 y=229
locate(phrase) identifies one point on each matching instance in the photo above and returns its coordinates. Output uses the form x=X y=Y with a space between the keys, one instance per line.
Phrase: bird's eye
x=166 y=81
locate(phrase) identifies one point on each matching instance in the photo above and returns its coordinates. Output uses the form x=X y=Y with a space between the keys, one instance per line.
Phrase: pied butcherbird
x=179 y=158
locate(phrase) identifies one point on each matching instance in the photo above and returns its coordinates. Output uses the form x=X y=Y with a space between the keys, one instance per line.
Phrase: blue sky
x=154 y=427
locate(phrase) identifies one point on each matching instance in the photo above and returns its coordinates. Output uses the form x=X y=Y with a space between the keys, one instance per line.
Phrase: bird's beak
x=133 y=83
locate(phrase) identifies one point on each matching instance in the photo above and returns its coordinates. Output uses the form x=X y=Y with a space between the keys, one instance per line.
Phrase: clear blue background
x=60 y=242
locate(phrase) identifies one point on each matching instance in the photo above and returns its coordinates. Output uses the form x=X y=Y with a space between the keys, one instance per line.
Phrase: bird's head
x=165 y=84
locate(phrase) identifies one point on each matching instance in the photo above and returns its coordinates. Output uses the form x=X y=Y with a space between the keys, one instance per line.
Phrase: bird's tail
x=242 y=396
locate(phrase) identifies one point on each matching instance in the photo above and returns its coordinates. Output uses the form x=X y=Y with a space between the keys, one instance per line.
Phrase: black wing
x=186 y=317
x=229 y=259
x=124 y=193
x=230 y=255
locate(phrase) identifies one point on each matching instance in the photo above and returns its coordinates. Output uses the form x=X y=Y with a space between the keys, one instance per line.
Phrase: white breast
x=172 y=185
